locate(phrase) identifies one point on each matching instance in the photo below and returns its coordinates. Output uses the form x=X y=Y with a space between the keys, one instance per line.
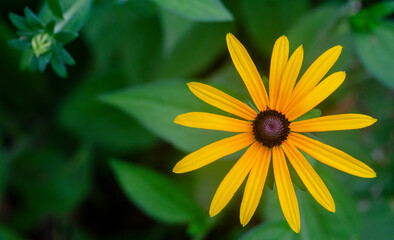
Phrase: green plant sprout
x=41 y=44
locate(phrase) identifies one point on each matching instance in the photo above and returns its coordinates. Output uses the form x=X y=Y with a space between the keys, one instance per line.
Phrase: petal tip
x=178 y=169
x=230 y=38
x=341 y=75
x=371 y=121
x=244 y=220
x=370 y=174
x=296 y=229
x=295 y=225
x=191 y=84
x=338 y=48
x=212 y=213
x=281 y=40
x=283 y=37
x=176 y=119
x=331 y=207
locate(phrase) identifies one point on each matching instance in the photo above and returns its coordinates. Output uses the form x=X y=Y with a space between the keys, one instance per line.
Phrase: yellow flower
x=272 y=133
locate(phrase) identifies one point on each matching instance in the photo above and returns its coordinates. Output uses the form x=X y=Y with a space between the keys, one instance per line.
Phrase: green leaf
x=320 y=29
x=7 y=233
x=75 y=14
x=89 y=119
x=155 y=194
x=314 y=113
x=271 y=231
x=65 y=56
x=65 y=37
x=296 y=180
x=33 y=63
x=202 y=41
x=156 y=105
x=375 y=50
x=28 y=34
x=271 y=209
x=202 y=10
x=228 y=77
x=50 y=27
x=377 y=221
x=368 y=19
x=137 y=48
x=49 y=182
x=19 y=22
x=270 y=180
x=55 y=7
x=174 y=28
x=20 y=43
x=59 y=67
x=267 y=20
x=43 y=61
x=250 y=103
x=381 y=9
x=32 y=19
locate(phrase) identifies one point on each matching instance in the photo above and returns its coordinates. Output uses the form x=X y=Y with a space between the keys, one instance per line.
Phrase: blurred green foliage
x=42 y=37
x=129 y=62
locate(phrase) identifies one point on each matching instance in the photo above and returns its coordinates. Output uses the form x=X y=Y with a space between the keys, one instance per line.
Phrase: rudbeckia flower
x=272 y=134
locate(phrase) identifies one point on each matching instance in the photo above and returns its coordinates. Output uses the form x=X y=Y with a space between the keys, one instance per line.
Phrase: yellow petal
x=331 y=156
x=309 y=177
x=317 y=95
x=333 y=123
x=213 y=152
x=213 y=121
x=315 y=73
x=234 y=178
x=280 y=55
x=254 y=186
x=287 y=197
x=289 y=78
x=222 y=100
x=248 y=72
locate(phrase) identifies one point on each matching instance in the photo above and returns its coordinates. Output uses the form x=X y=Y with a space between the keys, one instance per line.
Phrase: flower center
x=271 y=128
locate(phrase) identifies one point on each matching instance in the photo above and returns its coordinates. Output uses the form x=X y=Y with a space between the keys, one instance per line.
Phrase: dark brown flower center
x=271 y=128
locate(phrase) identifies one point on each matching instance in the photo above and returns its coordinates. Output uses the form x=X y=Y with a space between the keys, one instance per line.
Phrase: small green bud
x=41 y=43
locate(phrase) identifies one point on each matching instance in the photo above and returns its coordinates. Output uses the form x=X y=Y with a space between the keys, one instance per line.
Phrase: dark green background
x=90 y=156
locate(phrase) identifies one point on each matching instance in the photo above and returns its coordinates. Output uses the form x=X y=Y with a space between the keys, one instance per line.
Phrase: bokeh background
x=89 y=155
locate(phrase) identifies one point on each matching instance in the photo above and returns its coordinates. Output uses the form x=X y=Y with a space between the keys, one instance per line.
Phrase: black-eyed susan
x=272 y=132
